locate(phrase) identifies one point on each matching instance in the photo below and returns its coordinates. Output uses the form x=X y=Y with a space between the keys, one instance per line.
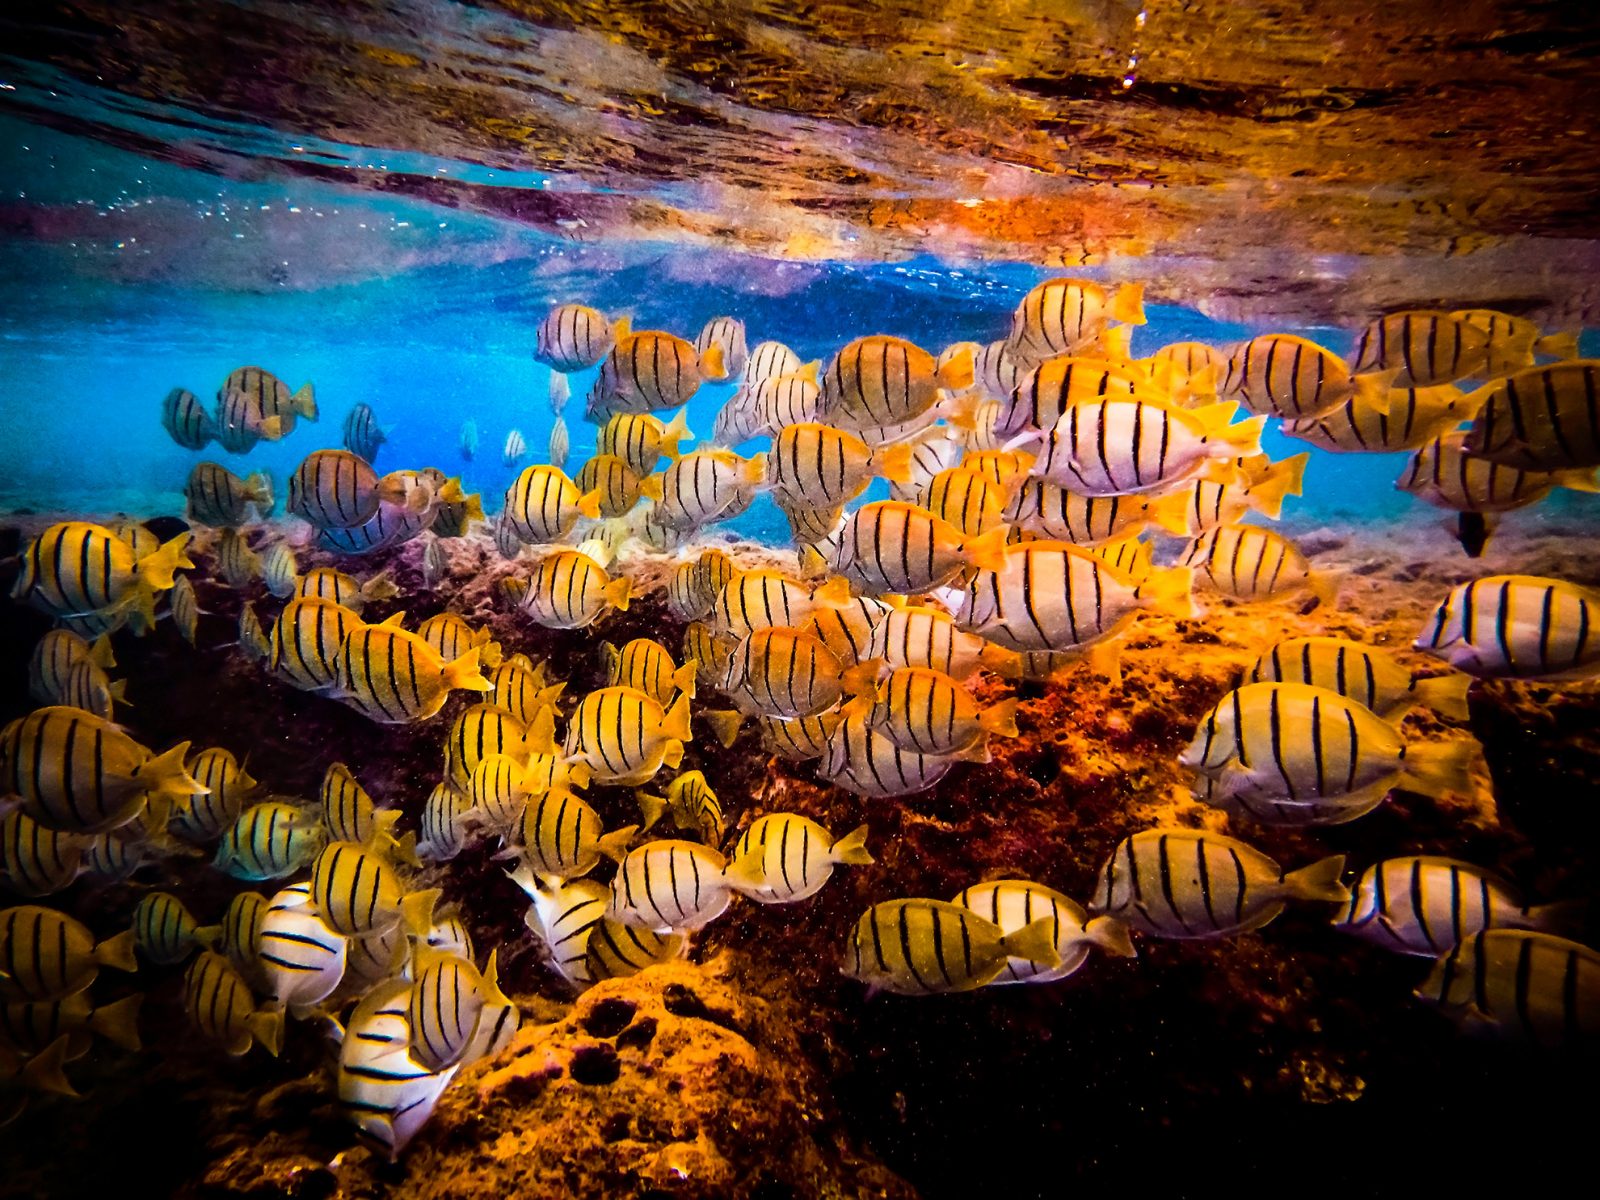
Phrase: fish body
x=221 y=1008
x=54 y=656
x=451 y=636
x=78 y=567
x=783 y=858
x=1443 y=474
x=362 y=433
x=881 y=381
x=706 y=486
x=237 y=564
x=442 y=828
x=302 y=958
x=784 y=673
x=383 y=1089
x=1509 y=338
x=861 y=760
x=1045 y=393
x=1542 y=419
x=785 y=400
x=695 y=807
x=1138 y=443
x=396 y=678
x=922 y=947
x=1050 y=511
x=893 y=547
x=1279 y=375
x=543 y=505
x=573 y=337
x=1428 y=348
x=1517 y=627
x=269 y=840
x=218 y=497
x=355 y=889
x=35 y=861
x=1226 y=493
x=769 y=360
x=47 y=955
x=847 y=629
x=646 y=665
x=279 y=570
x=562 y=837
x=240 y=937
x=563 y=915
x=802 y=739
x=273 y=397
x=166 y=932
x=328 y=583
x=1068 y=316
x=968 y=500
x=1252 y=563
x=669 y=887
x=1523 y=986
x=203 y=817
x=1366 y=674
x=1408 y=419
x=569 y=590
x=615 y=950
x=652 y=370
x=641 y=440
x=615 y=484
x=306 y=640
x=1014 y=904
x=728 y=335
x=467 y=442
x=1426 y=906
x=751 y=600
x=335 y=489
x=923 y=636
x=929 y=712
x=625 y=736
x=818 y=466
x=186 y=419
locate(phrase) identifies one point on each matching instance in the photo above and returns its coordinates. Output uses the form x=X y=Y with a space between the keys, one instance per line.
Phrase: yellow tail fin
x=893 y=463
x=618 y=592
x=166 y=775
x=1036 y=943
x=267 y=1028
x=1166 y=590
x=304 y=402
x=807 y=373
x=1445 y=694
x=987 y=551
x=1127 y=305
x=416 y=911
x=43 y=1073
x=1324 y=585
x=753 y=471
x=724 y=724
x=589 y=504
x=675 y=724
x=1319 y=881
x=1000 y=719
x=675 y=431
x=956 y=373
x=117 y=952
x=712 y=363
x=1111 y=935
x=1372 y=390
x=156 y=570
x=851 y=849
x=614 y=845
x=1587 y=480
x=463 y=673
x=1170 y=513
x=683 y=679
x=118 y=1023
x=621 y=328
x=1434 y=768
x=540 y=737
x=651 y=809
x=1283 y=479
x=1558 y=345
x=651 y=486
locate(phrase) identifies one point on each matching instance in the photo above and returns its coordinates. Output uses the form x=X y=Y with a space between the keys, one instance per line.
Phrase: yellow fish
x=624 y=736
x=1056 y=384
x=335 y=489
x=922 y=947
x=669 y=887
x=396 y=678
x=707 y=485
x=641 y=440
x=1067 y=316
x=1366 y=674
x=327 y=583
x=880 y=380
x=861 y=760
x=1444 y=474
x=1252 y=563
x=785 y=857
x=166 y=932
x=268 y=840
x=451 y=636
x=651 y=370
x=357 y=892
x=647 y=666
x=1508 y=335
x=47 y=955
x=1429 y=348
x=561 y=836
x=819 y=466
x=890 y=546
x=78 y=567
x=1278 y=375
x=221 y=1007
x=789 y=673
x=1014 y=904
x=203 y=817
x=569 y=590
x=217 y=496
x=306 y=641
x=573 y=337
x=922 y=636
x=619 y=488
x=967 y=499
x=1408 y=420
x=54 y=656
x=35 y=861
x=1517 y=627
x=1522 y=985
x=929 y=712
x=728 y=335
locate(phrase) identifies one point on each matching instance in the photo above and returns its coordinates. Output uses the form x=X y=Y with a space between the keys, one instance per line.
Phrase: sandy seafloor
x=1293 y=1058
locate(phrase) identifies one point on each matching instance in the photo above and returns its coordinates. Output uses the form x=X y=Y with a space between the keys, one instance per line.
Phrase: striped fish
x=560 y=392
x=327 y=583
x=453 y=518
x=615 y=950
x=240 y=937
x=617 y=487
x=435 y=564
x=561 y=837
x=880 y=380
x=396 y=678
x=272 y=397
x=1297 y=744
x=815 y=527
x=1068 y=316
x=78 y=773
x=186 y=419
x=306 y=641
x=221 y=1007
x=30 y=1027
x=237 y=564
x=641 y=440
x=516 y=446
x=185 y=609
x=280 y=571
x=1410 y=418
x=1427 y=348
x=1223 y=494
x=563 y=915
x=54 y=656
x=995 y=373
x=218 y=497
x=785 y=400
x=738 y=420
x=695 y=808
x=932 y=451
x=1523 y=986
x=573 y=337
x=166 y=932
x=88 y=688
x=442 y=828
x=921 y=636
x=891 y=546
x=447 y=999
x=646 y=666
x=769 y=360
x=1426 y=906
x=569 y=590
x=269 y=840
x=1044 y=394
x=1006 y=469
x=241 y=423
x=335 y=489
x=203 y=817
x=727 y=334
x=922 y=947
x=253 y=639
x=1188 y=883
x=1014 y=904
x=1252 y=563
x=683 y=593
x=1507 y=337
x=543 y=505
x=1138 y=443
x=1278 y=375
x=1517 y=627
x=448 y=933
x=47 y=955
x=35 y=861
x=1366 y=674
x=819 y=466
x=929 y=712
x=485 y=729
x=559 y=448
x=113 y=856
x=451 y=636
x=847 y=630
x=985 y=434
x=788 y=673
x=1051 y=511
x=520 y=688
x=968 y=500
x=383 y=1090
x=372 y=958
x=1057 y=596
x=669 y=887
x=706 y=486
x=362 y=433
x=1193 y=370
x=799 y=740
x=77 y=567
x=499 y=787
x=784 y=857
x=302 y=959
x=1443 y=474
x=861 y=760
x=357 y=892
x=624 y=736
x=136 y=615
x=652 y=370
x=707 y=651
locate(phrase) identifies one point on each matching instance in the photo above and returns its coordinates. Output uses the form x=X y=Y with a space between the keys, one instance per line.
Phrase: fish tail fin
x=579 y=774
x=117 y=953
x=956 y=374
x=304 y=402
x=258 y=489
x=1111 y=935
x=266 y=1027
x=713 y=364
x=380 y=587
x=676 y=431
x=1558 y=345
x=1445 y=694
x=893 y=463
x=1372 y=389
x=1170 y=513
x=987 y=551
x=207 y=936
x=1007 y=664
x=1035 y=943
x=725 y=723
x=101 y=654
x=1319 y=881
x=1000 y=719
x=809 y=372
x=651 y=809
x=417 y=909
x=43 y=1071
x=614 y=845
x=1583 y=480
x=474 y=510
x=166 y=775
x=118 y=1022
x=463 y=672
x=861 y=679
x=1434 y=768
x=851 y=849
x=685 y=677
x=1566 y=918
x=1115 y=344
x=1105 y=658
x=1324 y=585
x=271 y=428
x=403 y=849
x=1167 y=590
x=1127 y=304
x=650 y=487
x=589 y=504
x=618 y=592
x=675 y=724
x=450 y=491
x=156 y=569
x=753 y=471
x=118 y=691
x=621 y=328
x=1282 y=479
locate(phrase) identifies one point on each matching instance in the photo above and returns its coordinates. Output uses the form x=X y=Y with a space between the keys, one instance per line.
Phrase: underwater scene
x=773 y=600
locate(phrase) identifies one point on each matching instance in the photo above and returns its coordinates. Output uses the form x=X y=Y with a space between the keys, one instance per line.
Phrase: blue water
x=121 y=278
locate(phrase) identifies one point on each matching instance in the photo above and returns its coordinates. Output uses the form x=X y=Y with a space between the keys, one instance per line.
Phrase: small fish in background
x=923 y=947
x=221 y=1007
x=455 y=518
x=54 y=656
x=335 y=489
x=35 y=861
x=348 y=813
x=1509 y=335
x=1014 y=904
x=186 y=610
x=1193 y=371
x=560 y=392
x=574 y=337
x=30 y=1028
x=1067 y=316
x=435 y=563
x=442 y=828
x=783 y=858
x=1188 y=883
x=269 y=840
x=329 y=583
x=362 y=433
x=186 y=420
x=114 y=856
x=728 y=335
x=280 y=571
x=695 y=808
x=1517 y=627
x=689 y=891
x=241 y=423
x=48 y=955
x=560 y=444
x=166 y=933
x=467 y=442
x=515 y=448
x=1523 y=986
x=995 y=372
x=237 y=564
